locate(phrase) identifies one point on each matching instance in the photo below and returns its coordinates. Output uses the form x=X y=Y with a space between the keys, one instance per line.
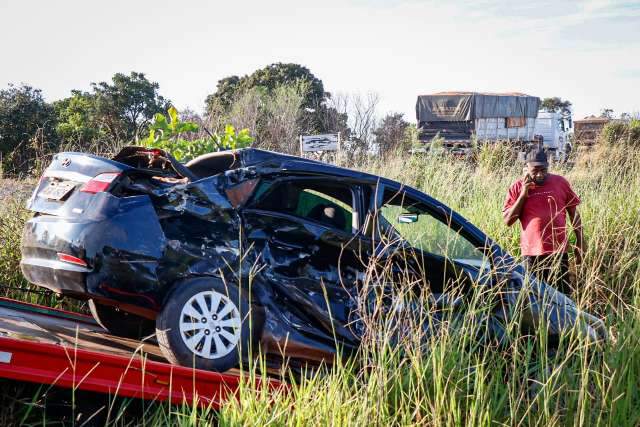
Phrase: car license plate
x=57 y=190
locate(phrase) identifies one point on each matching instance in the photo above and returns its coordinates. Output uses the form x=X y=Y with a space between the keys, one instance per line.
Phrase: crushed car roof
x=247 y=157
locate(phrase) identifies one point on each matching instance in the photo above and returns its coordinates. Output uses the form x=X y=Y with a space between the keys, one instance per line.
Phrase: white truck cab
x=554 y=127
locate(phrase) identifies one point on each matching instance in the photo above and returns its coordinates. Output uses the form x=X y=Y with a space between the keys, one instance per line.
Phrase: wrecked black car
x=248 y=248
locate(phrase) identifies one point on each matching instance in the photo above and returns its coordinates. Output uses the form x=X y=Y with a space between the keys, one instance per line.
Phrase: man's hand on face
x=528 y=184
x=533 y=175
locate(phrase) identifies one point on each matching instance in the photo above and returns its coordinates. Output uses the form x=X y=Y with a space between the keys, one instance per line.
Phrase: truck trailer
x=460 y=117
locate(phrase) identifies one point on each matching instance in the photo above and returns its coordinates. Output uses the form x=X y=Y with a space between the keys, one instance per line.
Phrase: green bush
x=166 y=135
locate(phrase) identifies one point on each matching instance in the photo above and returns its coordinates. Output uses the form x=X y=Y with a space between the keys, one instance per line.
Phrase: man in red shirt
x=542 y=201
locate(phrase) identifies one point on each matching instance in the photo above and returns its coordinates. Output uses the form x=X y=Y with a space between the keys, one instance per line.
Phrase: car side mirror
x=407 y=218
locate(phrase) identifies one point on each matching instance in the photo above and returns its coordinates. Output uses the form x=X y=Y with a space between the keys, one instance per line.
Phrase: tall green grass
x=451 y=380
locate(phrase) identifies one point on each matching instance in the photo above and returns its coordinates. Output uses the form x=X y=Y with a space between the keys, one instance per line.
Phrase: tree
x=226 y=93
x=112 y=113
x=556 y=105
x=77 y=119
x=282 y=111
x=246 y=111
x=273 y=116
x=279 y=74
x=392 y=133
x=24 y=117
x=330 y=119
x=354 y=116
x=269 y=78
x=125 y=107
x=362 y=117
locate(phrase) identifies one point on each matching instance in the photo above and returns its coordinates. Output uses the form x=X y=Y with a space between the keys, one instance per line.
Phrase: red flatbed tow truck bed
x=65 y=349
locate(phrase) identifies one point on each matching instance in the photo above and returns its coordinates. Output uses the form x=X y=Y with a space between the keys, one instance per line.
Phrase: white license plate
x=57 y=190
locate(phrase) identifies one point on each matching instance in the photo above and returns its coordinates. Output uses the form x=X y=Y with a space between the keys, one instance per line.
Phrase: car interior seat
x=328 y=214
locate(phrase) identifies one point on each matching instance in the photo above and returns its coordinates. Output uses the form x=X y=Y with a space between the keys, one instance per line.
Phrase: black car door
x=425 y=242
x=305 y=244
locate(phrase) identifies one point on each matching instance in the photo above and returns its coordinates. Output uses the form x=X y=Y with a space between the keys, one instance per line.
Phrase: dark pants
x=552 y=269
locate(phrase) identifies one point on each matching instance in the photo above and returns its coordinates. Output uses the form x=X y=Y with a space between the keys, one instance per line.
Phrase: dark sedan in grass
x=248 y=249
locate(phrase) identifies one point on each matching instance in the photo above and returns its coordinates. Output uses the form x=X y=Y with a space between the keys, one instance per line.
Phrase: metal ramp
x=66 y=349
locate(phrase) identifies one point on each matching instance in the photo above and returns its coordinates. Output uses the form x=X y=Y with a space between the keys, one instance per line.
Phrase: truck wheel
x=207 y=325
x=121 y=323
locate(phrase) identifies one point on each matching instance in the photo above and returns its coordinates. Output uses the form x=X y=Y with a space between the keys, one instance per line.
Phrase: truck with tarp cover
x=459 y=117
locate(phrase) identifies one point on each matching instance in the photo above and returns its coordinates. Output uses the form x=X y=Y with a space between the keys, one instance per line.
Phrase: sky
x=585 y=51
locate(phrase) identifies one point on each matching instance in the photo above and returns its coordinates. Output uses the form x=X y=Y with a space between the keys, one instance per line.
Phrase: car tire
x=206 y=324
x=121 y=323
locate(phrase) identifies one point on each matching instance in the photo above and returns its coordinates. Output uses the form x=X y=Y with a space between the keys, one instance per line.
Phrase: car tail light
x=99 y=183
x=153 y=152
x=71 y=259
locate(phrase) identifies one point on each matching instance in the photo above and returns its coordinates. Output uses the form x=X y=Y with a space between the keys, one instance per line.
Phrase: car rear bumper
x=120 y=246
x=57 y=276
x=43 y=238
